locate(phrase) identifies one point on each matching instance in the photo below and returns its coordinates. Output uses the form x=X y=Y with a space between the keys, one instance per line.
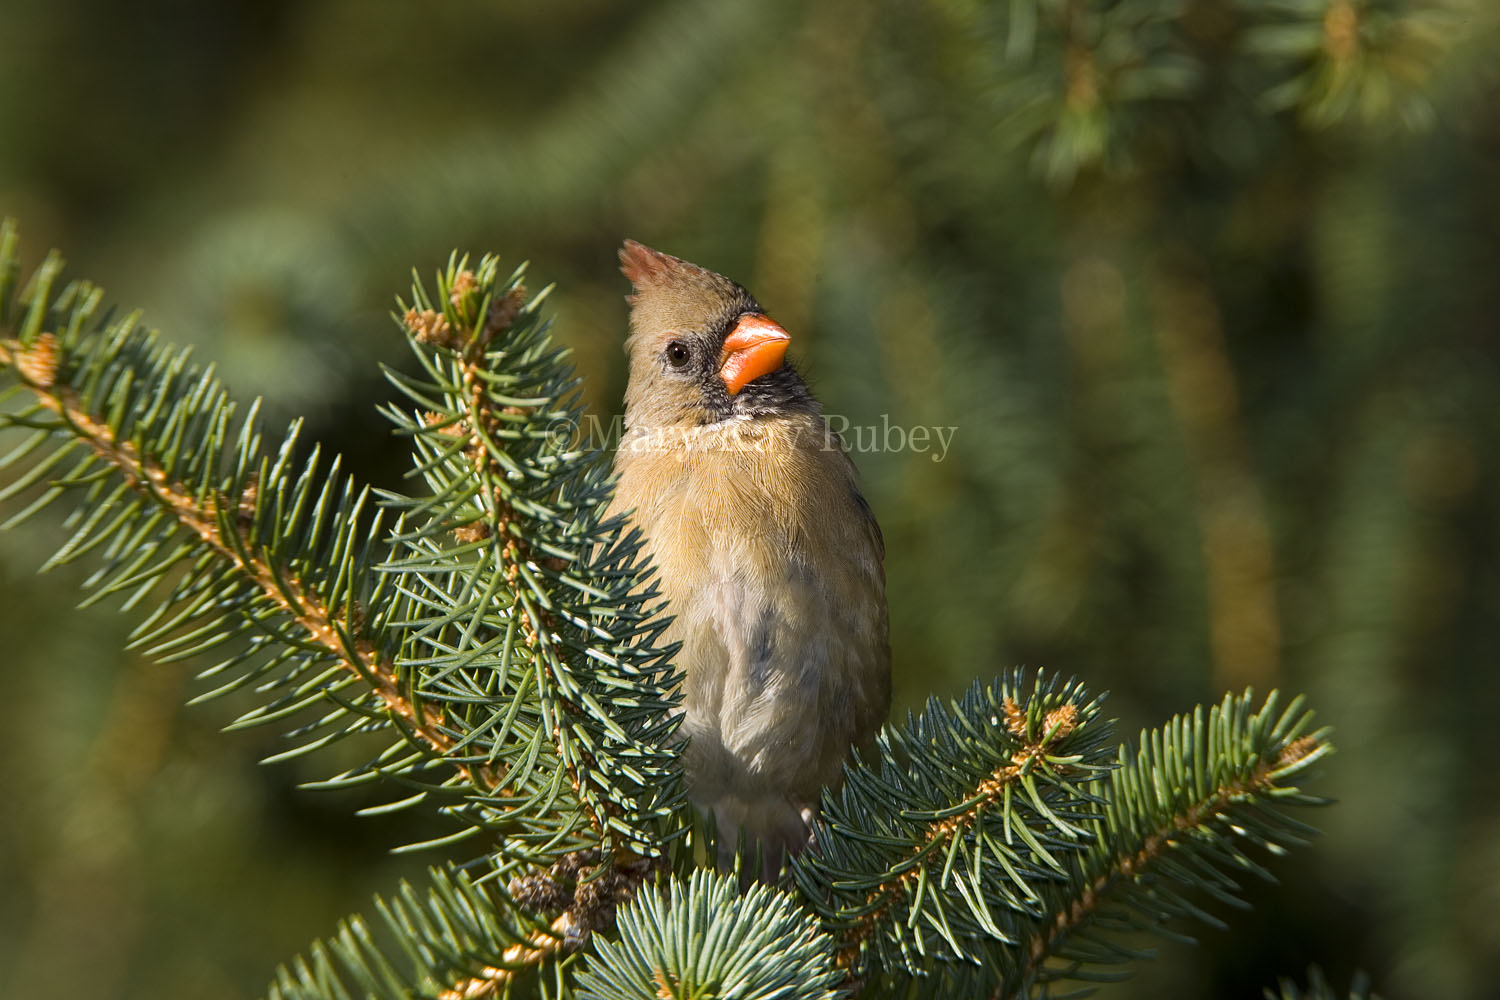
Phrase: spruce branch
x=941 y=840
x=287 y=566
x=704 y=937
x=167 y=495
x=1174 y=810
x=531 y=618
x=458 y=940
x=1000 y=845
x=503 y=636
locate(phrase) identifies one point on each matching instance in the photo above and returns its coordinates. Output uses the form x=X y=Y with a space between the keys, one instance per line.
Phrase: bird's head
x=701 y=348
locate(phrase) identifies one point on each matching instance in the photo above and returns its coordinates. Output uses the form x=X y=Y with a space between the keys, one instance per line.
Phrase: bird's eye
x=677 y=354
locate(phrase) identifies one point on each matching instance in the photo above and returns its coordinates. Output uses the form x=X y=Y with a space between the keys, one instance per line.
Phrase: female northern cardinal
x=767 y=553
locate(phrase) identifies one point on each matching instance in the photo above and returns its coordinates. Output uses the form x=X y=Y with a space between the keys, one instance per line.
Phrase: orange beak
x=755 y=347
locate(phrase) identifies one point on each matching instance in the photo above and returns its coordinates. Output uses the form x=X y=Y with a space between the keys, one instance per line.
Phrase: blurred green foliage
x=1207 y=291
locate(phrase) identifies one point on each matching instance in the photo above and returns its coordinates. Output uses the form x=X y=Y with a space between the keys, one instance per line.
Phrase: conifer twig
x=37 y=366
x=482 y=421
x=1057 y=724
x=1208 y=808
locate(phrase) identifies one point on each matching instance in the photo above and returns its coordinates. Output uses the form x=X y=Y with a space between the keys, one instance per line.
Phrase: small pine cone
x=475 y=531
x=430 y=327
x=1063 y=719
x=593 y=903
x=540 y=893
x=503 y=313
x=570 y=865
x=448 y=427
x=1015 y=718
x=464 y=284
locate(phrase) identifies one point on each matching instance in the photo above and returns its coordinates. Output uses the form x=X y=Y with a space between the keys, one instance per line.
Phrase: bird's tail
x=761 y=834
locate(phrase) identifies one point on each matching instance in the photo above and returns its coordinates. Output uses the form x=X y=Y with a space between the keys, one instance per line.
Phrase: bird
x=769 y=557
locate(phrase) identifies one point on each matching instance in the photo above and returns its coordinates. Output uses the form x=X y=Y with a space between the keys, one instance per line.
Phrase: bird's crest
x=647 y=268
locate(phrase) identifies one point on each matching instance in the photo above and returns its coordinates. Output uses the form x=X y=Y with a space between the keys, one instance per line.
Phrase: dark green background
x=1223 y=376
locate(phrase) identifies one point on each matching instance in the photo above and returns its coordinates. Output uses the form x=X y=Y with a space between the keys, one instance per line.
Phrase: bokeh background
x=1208 y=292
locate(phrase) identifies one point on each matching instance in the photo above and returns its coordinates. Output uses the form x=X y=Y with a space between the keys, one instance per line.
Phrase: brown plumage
x=767 y=553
